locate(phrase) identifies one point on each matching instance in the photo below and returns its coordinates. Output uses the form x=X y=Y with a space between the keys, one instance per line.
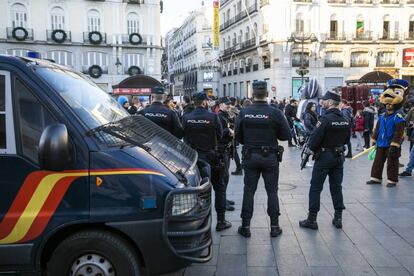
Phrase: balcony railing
x=363 y=36
x=255 y=67
x=334 y=63
x=394 y=36
x=125 y=40
x=390 y=2
x=336 y=1
x=20 y=34
x=302 y=1
x=85 y=69
x=409 y=36
x=334 y=36
x=93 y=38
x=364 y=2
x=58 y=37
x=249 y=43
x=243 y=14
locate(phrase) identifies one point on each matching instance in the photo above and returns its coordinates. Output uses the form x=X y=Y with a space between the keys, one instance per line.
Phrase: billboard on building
x=216 y=24
x=408 y=57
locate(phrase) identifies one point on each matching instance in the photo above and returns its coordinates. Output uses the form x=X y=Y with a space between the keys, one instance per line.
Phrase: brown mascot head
x=395 y=95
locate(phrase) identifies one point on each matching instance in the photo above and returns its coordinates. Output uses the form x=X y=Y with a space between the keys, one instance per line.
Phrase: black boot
x=337 y=220
x=222 y=223
x=229 y=207
x=231 y=202
x=310 y=222
x=275 y=230
x=237 y=172
x=244 y=229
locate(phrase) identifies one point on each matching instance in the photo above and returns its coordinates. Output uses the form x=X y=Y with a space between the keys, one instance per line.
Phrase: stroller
x=299 y=133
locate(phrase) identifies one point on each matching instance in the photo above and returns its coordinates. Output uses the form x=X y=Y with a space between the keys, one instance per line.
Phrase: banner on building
x=408 y=57
x=360 y=27
x=216 y=24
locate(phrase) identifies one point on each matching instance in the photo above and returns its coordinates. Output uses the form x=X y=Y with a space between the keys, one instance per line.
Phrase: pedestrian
x=347 y=111
x=258 y=129
x=409 y=170
x=310 y=118
x=327 y=143
x=247 y=103
x=290 y=113
x=188 y=105
x=202 y=131
x=369 y=118
x=410 y=126
x=162 y=115
x=124 y=102
x=225 y=144
x=359 y=130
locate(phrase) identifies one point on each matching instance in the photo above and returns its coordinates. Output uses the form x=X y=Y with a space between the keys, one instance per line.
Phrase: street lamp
x=118 y=64
x=302 y=39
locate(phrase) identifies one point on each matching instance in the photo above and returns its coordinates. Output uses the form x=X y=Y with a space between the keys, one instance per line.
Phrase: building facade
x=108 y=40
x=192 y=61
x=335 y=40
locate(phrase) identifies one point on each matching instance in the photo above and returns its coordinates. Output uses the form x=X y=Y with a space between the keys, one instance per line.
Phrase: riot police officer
x=327 y=142
x=258 y=129
x=225 y=143
x=202 y=131
x=158 y=113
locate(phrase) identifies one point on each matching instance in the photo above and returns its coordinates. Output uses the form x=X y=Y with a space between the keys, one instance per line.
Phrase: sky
x=176 y=11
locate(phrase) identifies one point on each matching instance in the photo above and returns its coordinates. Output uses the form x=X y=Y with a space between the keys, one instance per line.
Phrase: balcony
x=58 y=36
x=365 y=36
x=247 y=44
x=126 y=40
x=390 y=2
x=229 y=51
x=409 y=36
x=363 y=2
x=20 y=34
x=85 y=69
x=334 y=63
x=339 y=2
x=334 y=36
x=302 y=1
x=207 y=45
x=94 y=38
x=240 y=16
x=389 y=36
x=223 y=2
x=264 y=3
x=139 y=2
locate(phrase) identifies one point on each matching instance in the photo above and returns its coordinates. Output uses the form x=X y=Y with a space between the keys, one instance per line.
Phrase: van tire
x=121 y=255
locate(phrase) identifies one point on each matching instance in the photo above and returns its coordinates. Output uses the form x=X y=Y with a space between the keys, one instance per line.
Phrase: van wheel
x=94 y=253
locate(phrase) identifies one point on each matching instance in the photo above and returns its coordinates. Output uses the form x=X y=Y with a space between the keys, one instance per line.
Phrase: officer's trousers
x=217 y=180
x=254 y=166
x=327 y=164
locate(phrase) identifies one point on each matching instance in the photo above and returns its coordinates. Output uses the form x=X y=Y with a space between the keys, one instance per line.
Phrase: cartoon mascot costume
x=389 y=133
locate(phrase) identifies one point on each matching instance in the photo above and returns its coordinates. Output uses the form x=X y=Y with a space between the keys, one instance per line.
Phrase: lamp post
x=302 y=38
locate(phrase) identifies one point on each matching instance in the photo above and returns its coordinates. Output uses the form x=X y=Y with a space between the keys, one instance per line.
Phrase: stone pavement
x=377 y=239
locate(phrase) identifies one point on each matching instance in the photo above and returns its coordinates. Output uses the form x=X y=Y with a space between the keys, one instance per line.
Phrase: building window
x=386 y=59
x=360 y=28
x=247 y=34
x=297 y=59
x=57 y=19
x=386 y=27
x=411 y=27
x=334 y=59
x=61 y=57
x=94 y=21
x=300 y=24
x=240 y=36
x=359 y=59
x=95 y=58
x=18 y=52
x=254 y=31
x=133 y=60
x=132 y=23
x=333 y=29
x=19 y=15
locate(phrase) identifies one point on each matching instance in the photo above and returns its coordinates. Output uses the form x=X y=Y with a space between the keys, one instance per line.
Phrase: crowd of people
x=216 y=127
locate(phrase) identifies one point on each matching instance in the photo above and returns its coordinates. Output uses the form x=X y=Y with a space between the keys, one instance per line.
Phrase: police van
x=86 y=189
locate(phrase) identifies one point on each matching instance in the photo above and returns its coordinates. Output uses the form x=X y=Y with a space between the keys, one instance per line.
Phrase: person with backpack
x=347 y=111
x=369 y=119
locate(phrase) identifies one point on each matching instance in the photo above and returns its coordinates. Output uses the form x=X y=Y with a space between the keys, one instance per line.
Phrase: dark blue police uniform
x=258 y=129
x=163 y=116
x=327 y=142
x=202 y=131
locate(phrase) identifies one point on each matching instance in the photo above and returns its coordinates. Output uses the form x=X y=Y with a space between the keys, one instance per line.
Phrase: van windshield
x=91 y=104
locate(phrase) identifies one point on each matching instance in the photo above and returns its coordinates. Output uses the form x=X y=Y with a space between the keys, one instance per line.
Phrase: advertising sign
x=408 y=57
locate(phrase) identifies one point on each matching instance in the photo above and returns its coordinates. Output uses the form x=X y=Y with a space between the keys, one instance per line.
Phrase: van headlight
x=183 y=203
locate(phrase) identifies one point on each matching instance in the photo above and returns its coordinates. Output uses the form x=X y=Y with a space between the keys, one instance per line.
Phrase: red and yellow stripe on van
x=40 y=196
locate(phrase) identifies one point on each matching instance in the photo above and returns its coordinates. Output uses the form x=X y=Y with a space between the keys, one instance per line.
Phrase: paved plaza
x=377 y=239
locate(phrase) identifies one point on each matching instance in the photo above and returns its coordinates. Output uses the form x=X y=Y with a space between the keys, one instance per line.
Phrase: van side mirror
x=54 y=148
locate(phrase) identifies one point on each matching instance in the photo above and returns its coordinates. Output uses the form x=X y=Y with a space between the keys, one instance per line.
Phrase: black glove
x=395 y=152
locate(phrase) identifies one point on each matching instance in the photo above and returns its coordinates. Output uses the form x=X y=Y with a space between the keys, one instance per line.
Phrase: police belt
x=334 y=149
x=263 y=149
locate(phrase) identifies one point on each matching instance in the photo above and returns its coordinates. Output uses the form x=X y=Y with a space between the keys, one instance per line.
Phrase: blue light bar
x=34 y=55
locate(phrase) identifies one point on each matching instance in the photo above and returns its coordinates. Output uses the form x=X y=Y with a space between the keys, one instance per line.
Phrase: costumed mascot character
x=310 y=92
x=389 y=133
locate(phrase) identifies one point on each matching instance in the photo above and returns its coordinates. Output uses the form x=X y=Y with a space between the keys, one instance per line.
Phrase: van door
x=32 y=202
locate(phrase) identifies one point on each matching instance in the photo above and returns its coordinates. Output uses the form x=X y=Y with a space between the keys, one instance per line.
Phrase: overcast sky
x=175 y=11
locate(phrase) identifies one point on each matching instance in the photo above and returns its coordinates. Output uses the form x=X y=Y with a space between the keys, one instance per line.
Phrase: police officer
x=202 y=131
x=327 y=142
x=258 y=129
x=158 y=113
x=225 y=143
